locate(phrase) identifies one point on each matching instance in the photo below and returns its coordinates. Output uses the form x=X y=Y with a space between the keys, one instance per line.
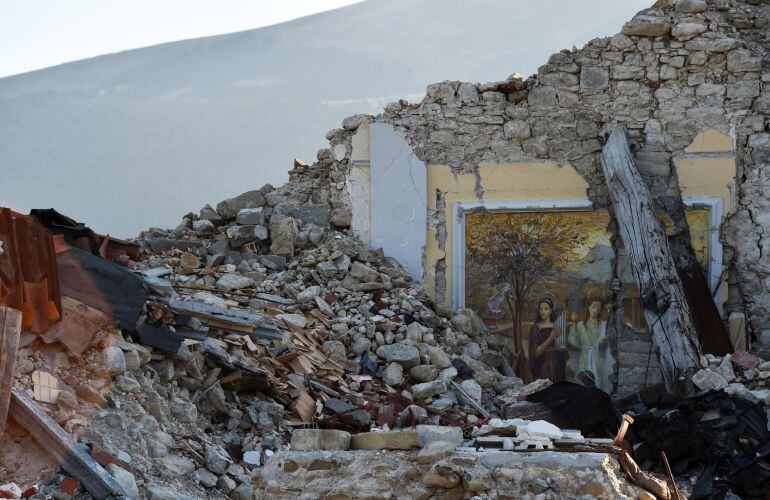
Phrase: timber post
x=663 y=298
x=10 y=330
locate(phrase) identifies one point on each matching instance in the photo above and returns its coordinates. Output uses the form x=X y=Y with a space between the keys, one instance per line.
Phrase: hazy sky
x=36 y=34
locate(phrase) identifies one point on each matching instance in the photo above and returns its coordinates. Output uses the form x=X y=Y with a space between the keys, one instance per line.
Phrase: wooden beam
x=60 y=445
x=712 y=333
x=663 y=298
x=231 y=320
x=10 y=330
x=643 y=479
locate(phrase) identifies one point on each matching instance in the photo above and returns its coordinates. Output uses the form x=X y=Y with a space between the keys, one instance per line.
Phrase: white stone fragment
x=539 y=428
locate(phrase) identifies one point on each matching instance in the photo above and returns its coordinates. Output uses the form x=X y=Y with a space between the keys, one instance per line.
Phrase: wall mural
x=542 y=278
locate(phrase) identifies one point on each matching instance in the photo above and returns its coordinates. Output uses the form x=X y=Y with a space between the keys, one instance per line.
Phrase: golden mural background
x=515 y=259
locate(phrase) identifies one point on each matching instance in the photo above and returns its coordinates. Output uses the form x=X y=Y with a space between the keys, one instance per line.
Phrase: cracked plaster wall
x=398 y=204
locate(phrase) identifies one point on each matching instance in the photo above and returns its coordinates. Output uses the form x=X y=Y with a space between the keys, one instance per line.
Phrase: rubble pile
x=267 y=335
x=717 y=444
x=345 y=311
x=265 y=348
x=462 y=474
x=69 y=388
x=259 y=324
x=741 y=374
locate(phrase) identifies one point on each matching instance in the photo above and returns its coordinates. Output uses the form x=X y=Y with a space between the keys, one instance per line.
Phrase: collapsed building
x=391 y=285
x=687 y=80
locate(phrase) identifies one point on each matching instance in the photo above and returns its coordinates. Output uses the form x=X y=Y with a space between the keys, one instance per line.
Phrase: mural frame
x=461 y=208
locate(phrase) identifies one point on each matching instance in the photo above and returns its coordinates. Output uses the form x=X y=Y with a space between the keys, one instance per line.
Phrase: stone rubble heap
x=361 y=347
x=446 y=465
x=741 y=375
x=302 y=269
x=378 y=356
x=375 y=354
x=462 y=474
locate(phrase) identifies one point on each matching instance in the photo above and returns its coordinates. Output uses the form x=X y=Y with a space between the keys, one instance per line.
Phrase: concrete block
x=403 y=440
x=433 y=433
x=320 y=439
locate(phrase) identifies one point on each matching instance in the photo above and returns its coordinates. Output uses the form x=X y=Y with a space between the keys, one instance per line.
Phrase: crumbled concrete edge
x=373 y=474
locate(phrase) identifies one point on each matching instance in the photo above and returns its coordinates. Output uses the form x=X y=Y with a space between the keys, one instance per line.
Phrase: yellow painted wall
x=713 y=177
x=698 y=176
x=710 y=141
x=701 y=173
x=707 y=177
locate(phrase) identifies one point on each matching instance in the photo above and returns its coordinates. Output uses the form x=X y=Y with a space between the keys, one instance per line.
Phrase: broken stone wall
x=368 y=474
x=675 y=71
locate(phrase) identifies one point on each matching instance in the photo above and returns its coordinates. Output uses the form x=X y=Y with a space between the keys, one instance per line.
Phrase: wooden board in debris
x=235 y=320
x=10 y=331
x=71 y=457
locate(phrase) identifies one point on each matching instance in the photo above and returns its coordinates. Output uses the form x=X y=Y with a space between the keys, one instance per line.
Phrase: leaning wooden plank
x=663 y=299
x=707 y=320
x=10 y=329
x=63 y=448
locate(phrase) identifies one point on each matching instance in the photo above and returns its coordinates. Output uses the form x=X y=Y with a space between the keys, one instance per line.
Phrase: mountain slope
x=122 y=140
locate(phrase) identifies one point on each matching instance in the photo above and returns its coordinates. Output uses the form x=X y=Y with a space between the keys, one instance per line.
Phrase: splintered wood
x=663 y=298
x=10 y=329
x=306 y=357
x=60 y=445
x=292 y=360
x=295 y=365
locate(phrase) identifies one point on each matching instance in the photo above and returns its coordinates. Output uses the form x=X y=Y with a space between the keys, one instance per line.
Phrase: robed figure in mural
x=547 y=357
x=589 y=337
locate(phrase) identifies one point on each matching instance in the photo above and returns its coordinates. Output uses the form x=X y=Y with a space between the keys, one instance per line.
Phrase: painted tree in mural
x=522 y=253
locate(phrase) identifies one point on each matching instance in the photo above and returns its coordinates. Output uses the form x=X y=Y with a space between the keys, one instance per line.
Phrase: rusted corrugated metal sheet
x=29 y=278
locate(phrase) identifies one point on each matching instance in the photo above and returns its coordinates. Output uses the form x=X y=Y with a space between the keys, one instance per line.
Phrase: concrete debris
x=268 y=344
x=435 y=451
x=707 y=380
x=402 y=440
x=539 y=428
x=320 y=439
x=330 y=334
x=264 y=344
x=10 y=490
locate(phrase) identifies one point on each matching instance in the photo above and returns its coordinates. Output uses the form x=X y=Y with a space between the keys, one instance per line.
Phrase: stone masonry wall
x=495 y=474
x=675 y=70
